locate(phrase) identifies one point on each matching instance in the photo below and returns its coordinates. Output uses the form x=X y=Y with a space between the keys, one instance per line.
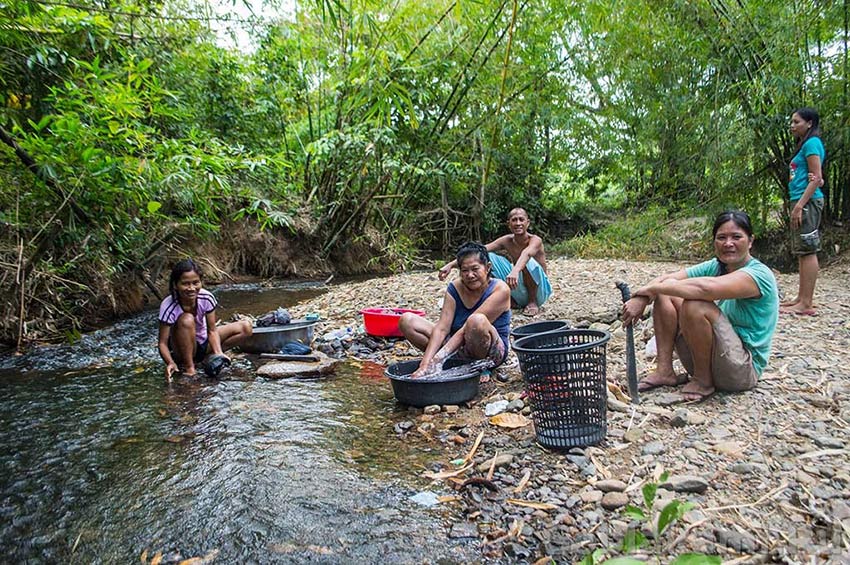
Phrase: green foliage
x=266 y=213
x=407 y=123
x=634 y=540
x=650 y=234
x=696 y=559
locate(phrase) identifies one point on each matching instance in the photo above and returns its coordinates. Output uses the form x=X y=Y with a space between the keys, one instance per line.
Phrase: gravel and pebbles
x=768 y=470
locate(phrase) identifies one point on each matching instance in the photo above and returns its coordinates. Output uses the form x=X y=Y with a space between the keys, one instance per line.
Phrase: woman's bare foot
x=657 y=379
x=789 y=303
x=695 y=392
x=799 y=310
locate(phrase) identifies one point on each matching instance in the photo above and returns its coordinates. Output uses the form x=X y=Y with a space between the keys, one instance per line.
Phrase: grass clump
x=651 y=234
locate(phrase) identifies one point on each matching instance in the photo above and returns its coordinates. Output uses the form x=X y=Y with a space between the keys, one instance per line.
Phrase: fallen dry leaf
x=157 y=558
x=509 y=420
x=144 y=557
x=445 y=474
x=544 y=561
x=290 y=548
x=530 y=504
x=729 y=447
x=208 y=558
x=492 y=467
x=618 y=393
x=522 y=482
x=442 y=499
x=475 y=445
x=282 y=547
x=514 y=532
x=516 y=528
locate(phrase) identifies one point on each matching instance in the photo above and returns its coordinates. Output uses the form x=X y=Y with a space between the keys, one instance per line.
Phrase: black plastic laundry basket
x=538 y=328
x=564 y=374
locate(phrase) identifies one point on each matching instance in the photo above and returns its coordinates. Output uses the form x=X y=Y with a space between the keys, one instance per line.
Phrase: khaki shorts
x=731 y=363
x=806 y=240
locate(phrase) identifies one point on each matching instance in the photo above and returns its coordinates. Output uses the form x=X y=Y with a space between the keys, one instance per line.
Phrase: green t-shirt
x=754 y=319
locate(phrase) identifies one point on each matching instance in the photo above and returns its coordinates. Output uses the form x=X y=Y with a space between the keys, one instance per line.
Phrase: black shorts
x=200 y=350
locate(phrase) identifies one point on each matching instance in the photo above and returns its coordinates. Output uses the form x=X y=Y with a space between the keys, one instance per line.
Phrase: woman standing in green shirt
x=805 y=177
x=719 y=316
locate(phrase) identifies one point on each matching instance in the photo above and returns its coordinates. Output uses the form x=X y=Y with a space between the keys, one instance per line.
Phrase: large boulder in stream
x=299 y=369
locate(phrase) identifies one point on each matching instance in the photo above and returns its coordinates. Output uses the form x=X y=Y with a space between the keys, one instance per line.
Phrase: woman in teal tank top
x=719 y=315
x=475 y=319
x=805 y=177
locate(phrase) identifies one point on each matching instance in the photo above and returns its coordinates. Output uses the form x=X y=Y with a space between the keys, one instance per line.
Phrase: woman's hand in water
x=432 y=367
x=170 y=369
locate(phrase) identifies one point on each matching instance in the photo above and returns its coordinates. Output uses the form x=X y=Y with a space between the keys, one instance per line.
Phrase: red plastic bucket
x=383 y=322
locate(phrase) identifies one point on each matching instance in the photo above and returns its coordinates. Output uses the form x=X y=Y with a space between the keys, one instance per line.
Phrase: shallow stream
x=100 y=460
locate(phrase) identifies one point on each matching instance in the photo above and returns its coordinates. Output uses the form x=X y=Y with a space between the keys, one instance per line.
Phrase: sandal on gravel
x=530 y=310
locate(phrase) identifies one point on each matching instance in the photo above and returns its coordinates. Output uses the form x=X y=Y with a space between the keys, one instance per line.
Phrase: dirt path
x=770 y=468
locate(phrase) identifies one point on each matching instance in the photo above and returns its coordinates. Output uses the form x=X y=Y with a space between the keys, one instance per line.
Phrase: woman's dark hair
x=739 y=218
x=472 y=248
x=184 y=266
x=808 y=115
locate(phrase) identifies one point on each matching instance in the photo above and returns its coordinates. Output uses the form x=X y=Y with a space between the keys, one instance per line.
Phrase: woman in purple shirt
x=187 y=327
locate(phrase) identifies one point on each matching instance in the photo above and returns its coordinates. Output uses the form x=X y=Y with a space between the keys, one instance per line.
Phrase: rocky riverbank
x=767 y=471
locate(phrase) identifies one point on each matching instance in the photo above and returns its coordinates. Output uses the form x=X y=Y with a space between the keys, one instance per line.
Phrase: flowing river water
x=101 y=460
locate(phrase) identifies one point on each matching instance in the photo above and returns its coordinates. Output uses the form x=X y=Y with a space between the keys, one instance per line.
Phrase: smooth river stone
x=610 y=485
x=294 y=369
x=686 y=483
x=614 y=500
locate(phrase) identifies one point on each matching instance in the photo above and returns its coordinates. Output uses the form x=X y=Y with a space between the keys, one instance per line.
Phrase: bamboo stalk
x=19 y=279
x=427 y=33
x=442 y=117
